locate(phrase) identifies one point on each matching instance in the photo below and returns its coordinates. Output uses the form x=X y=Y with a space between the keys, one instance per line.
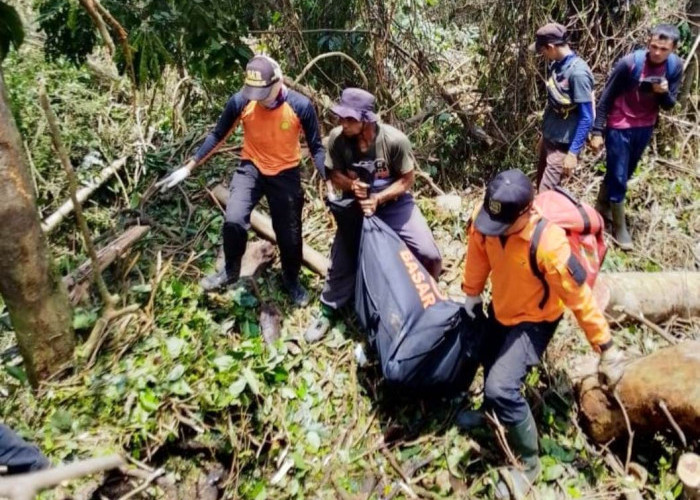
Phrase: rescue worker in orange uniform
x=273 y=118
x=520 y=330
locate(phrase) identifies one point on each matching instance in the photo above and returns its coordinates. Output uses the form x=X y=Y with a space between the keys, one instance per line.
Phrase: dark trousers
x=624 y=150
x=404 y=217
x=18 y=455
x=286 y=200
x=508 y=353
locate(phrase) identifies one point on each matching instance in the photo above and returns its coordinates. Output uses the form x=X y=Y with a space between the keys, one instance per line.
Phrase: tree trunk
x=34 y=295
x=691 y=73
x=655 y=296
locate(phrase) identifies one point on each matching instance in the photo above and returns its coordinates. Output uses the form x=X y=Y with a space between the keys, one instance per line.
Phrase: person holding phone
x=640 y=84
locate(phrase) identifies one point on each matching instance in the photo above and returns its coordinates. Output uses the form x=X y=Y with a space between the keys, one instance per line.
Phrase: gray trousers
x=404 y=217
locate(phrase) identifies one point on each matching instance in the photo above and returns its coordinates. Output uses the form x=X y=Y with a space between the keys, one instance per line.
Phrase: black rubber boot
x=620 y=234
x=218 y=280
x=517 y=483
x=298 y=294
x=602 y=203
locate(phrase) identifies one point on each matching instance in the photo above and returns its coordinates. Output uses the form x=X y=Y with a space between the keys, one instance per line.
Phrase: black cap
x=508 y=196
x=553 y=33
x=261 y=73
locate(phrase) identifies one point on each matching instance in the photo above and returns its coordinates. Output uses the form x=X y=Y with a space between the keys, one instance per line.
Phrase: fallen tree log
x=53 y=220
x=107 y=254
x=262 y=225
x=654 y=296
x=659 y=391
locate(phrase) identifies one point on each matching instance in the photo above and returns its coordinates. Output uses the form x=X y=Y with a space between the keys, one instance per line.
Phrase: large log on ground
x=107 y=254
x=655 y=296
x=658 y=391
x=262 y=225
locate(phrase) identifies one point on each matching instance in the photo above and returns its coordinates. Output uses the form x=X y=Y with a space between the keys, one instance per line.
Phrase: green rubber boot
x=602 y=203
x=516 y=483
x=620 y=234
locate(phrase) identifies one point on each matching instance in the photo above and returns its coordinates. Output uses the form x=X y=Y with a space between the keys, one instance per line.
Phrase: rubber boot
x=602 y=203
x=320 y=324
x=516 y=483
x=297 y=292
x=468 y=420
x=217 y=280
x=620 y=234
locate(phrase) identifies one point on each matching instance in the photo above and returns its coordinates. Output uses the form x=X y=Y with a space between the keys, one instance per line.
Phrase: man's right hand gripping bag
x=426 y=343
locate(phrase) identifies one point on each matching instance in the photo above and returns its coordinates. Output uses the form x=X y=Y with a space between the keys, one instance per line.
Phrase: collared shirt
x=570 y=84
x=516 y=291
x=391 y=147
x=270 y=135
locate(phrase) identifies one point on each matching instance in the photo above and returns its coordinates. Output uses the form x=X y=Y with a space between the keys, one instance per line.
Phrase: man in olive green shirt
x=373 y=165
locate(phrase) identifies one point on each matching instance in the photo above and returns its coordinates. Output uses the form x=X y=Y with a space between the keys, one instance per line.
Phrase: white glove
x=611 y=366
x=173 y=179
x=470 y=301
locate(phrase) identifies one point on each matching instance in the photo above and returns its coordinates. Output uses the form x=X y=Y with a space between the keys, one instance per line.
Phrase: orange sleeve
x=553 y=256
x=476 y=263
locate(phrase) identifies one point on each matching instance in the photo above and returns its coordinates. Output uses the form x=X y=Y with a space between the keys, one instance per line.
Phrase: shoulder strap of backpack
x=672 y=64
x=640 y=57
x=534 y=245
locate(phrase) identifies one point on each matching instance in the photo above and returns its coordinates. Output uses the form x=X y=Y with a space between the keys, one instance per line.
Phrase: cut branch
x=107 y=254
x=53 y=220
x=89 y=6
x=26 y=486
x=333 y=54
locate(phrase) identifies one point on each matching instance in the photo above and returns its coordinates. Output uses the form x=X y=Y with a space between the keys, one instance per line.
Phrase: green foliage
x=69 y=30
x=11 y=29
x=203 y=36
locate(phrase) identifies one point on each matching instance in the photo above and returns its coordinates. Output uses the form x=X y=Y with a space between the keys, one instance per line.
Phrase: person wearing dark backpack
x=568 y=115
x=522 y=324
x=640 y=84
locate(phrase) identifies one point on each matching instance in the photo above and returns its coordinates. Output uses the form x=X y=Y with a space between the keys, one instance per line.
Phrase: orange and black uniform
x=269 y=166
x=521 y=329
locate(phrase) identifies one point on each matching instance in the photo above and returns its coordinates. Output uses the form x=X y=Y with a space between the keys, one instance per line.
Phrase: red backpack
x=584 y=230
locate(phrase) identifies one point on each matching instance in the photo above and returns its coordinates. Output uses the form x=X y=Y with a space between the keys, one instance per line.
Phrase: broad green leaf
x=252 y=380
x=314 y=440
x=177 y=372
x=148 y=400
x=181 y=388
x=224 y=363
x=16 y=372
x=83 y=319
x=552 y=472
x=237 y=387
x=62 y=420
x=174 y=346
